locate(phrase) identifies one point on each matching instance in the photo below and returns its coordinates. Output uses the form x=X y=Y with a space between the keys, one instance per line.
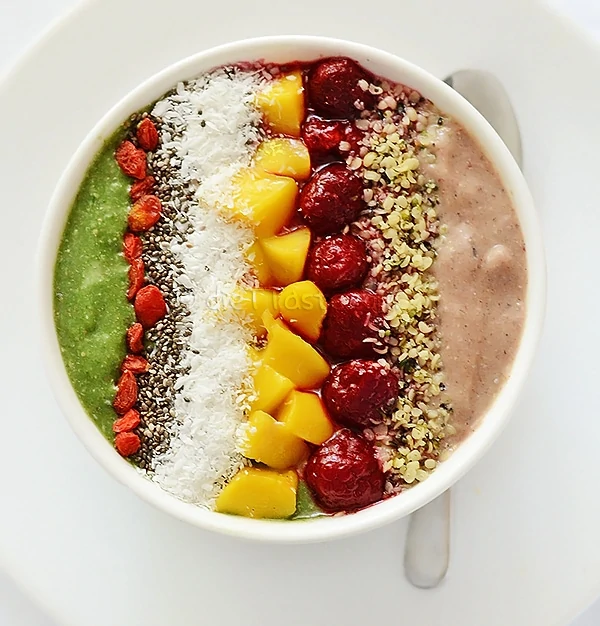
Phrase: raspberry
x=351 y=325
x=337 y=263
x=334 y=91
x=322 y=138
x=332 y=198
x=353 y=136
x=344 y=473
x=357 y=393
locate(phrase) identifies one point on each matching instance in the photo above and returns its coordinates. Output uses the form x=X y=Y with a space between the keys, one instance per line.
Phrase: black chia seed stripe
x=169 y=338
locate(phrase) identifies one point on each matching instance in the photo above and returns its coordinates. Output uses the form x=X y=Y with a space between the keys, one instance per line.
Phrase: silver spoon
x=427 y=549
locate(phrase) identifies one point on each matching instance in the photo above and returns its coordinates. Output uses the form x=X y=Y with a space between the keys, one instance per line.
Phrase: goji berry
x=132 y=247
x=127 y=443
x=135 y=364
x=128 y=422
x=147 y=135
x=136 y=278
x=141 y=188
x=135 y=337
x=127 y=392
x=149 y=306
x=144 y=214
x=131 y=160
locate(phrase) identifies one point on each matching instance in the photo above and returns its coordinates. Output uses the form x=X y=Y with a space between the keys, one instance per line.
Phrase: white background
x=21 y=21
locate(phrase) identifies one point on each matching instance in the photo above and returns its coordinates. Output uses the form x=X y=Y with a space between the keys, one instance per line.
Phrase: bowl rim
x=282 y=49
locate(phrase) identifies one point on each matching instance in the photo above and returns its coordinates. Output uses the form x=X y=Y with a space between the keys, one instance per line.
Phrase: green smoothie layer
x=306 y=507
x=91 y=310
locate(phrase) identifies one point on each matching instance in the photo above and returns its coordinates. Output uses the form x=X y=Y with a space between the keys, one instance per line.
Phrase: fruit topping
x=270 y=389
x=136 y=277
x=356 y=393
x=272 y=443
x=144 y=214
x=323 y=137
x=352 y=323
x=127 y=443
x=131 y=160
x=304 y=414
x=147 y=135
x=132 y=247
x=149 y=306
x=135 y=338
x=331 y=199
x=260 y=493
x=327 y=138
x=339 y=88
x=135 y=364
x=337 y=263
x=257 y=261
x=293 y=357
x=344 y=473
x=127 y=393
x=128 y=422
x=265 y=201
x=141 y=188
x=286 y=255
x=352 y=139
x=283 y=156
x=282 y=104
x=252 y=303
x=303 y=306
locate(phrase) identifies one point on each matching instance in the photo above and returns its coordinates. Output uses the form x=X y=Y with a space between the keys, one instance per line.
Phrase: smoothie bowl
x=290 y=288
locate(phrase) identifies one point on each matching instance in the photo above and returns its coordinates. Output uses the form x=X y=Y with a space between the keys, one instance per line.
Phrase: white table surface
x=21 y=21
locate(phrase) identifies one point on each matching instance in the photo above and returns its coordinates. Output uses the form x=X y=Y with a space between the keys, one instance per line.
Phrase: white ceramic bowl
x=282 y=50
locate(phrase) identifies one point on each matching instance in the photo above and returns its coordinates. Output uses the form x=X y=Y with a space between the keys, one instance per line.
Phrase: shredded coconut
x=211 y=125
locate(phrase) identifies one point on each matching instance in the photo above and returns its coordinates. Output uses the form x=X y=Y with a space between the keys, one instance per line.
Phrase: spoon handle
x=427 y=553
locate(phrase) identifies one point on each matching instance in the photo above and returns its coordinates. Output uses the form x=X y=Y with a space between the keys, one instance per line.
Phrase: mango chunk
x=286 y=255
x=285 y=157
x=303 y=306
x=305 y=415
x=293 y=357
x=255 y=357
x=260 y=493
x=282 y=104
x=270 y=388
x=272 y=443
x=251 y=304
x=264 y=201
x=256 y=259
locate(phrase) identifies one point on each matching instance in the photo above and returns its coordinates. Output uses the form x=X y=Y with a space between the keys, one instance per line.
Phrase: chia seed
x=166 y=341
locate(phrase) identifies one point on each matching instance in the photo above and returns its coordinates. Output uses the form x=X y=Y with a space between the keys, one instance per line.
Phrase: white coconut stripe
x=215 y=123
x=203 y=451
